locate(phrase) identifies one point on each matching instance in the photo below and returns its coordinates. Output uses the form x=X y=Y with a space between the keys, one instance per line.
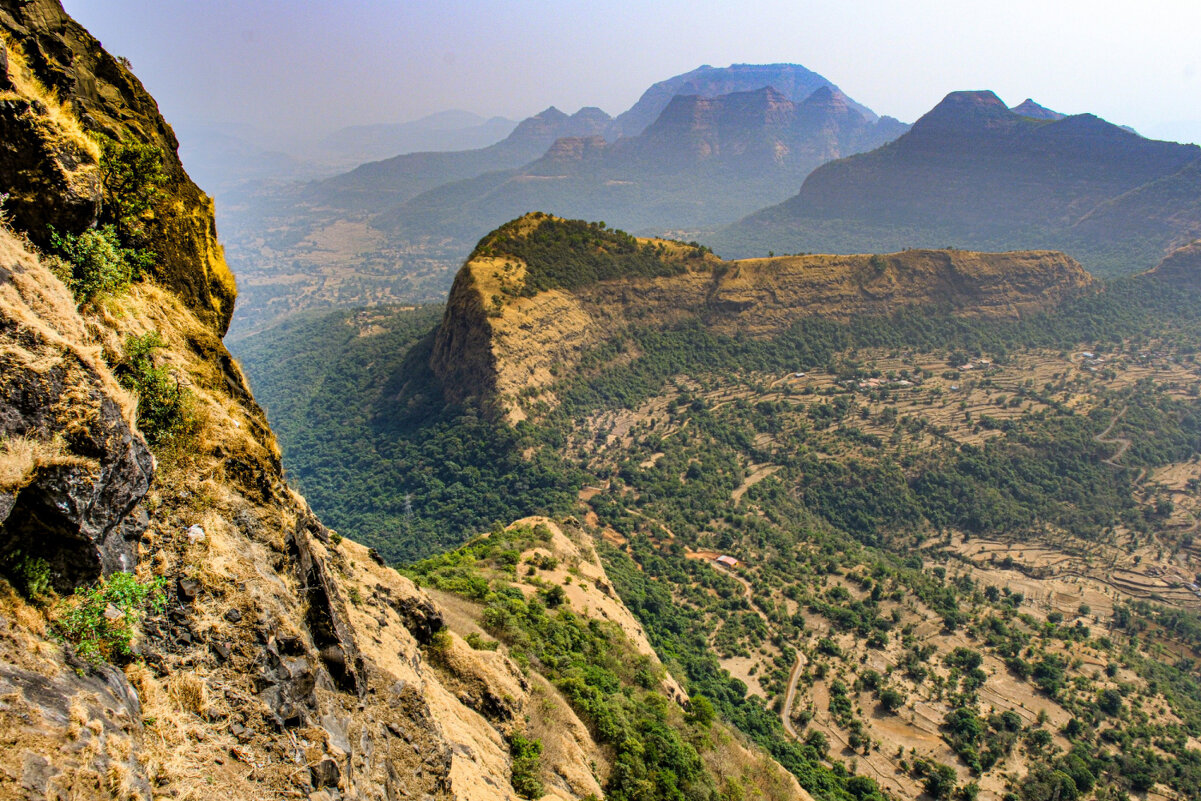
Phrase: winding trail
x=746 y=590
x=794 y=677
x=1123 y=444
x=790 y=696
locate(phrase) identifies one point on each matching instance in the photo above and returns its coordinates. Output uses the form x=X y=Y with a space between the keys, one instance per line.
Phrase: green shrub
x=166 y=412
x=132 y=175
x=479 y=643
x=100 y=620
x=94 y=262
x=29 y=575
x=527 y=766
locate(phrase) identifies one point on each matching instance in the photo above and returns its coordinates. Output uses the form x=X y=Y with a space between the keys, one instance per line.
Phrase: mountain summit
x=792 y=80
x=974 y=173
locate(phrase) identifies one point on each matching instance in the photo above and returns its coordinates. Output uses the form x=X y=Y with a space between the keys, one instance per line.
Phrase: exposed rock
x=98 y=714
x=52 y=179
x=499 y=359
x=325 y=774
x=187 y=589
x=86 y=468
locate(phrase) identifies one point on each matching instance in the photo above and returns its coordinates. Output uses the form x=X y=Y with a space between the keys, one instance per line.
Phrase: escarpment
x=540 y=292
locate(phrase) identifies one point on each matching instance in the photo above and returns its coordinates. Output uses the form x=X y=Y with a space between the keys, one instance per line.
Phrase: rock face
x=77 y=467
x=64 y=83
x=497 y=346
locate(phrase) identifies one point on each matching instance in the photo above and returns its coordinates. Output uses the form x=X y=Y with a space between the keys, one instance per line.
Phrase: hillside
x=1181 y=268
x=176 y=623
x=703 y=162
x=972 y=173
x=521 y=312
x=959 y=533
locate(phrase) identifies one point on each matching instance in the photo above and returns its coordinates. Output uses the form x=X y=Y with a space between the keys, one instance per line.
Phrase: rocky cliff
x=59 y=82
x=239 y=648
x=503 y=344
x=1180 y=268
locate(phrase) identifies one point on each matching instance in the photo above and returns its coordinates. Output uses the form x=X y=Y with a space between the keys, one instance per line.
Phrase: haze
x=285 y=72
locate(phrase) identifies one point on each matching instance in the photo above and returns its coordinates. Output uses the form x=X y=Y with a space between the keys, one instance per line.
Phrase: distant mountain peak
x=791 y=80
x=966 y=110
x=1028 y=108
x=829 y=97
x=977 y=101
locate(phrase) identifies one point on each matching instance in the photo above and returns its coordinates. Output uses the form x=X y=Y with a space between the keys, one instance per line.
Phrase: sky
x=287 y=70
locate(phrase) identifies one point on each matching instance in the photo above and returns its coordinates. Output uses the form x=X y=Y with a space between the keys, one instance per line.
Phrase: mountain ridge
x=972 y=172
x=508 y=330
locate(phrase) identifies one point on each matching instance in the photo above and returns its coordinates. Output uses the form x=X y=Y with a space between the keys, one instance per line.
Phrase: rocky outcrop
x=507 y=349
x=75 y=466
x=65 y=87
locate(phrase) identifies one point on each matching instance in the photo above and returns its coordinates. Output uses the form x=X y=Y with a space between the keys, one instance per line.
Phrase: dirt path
x=1123 y=444
x=746 y=590
x=790 y=696
x=758 y=473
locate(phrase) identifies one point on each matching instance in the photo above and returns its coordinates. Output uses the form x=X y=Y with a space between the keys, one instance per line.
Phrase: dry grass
x=29 y=87
x=22 y=457
x=189 y=693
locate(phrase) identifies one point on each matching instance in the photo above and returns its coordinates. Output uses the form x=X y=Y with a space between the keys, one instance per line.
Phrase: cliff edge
x=539 y=292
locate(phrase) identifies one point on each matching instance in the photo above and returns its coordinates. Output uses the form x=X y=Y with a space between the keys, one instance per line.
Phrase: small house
x=728 y=561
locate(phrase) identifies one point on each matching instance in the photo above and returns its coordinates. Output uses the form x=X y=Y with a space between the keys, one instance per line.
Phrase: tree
x=132 y=175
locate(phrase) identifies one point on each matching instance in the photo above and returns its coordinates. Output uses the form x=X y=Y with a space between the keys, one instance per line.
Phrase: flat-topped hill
x=541 y=291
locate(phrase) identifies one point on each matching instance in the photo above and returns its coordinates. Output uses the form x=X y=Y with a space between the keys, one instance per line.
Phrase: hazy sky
x=310 y=66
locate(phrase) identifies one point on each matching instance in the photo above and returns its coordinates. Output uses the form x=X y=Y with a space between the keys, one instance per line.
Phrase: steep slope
x=176 y=622
x=539 y=292
x=973 y=173
x=703 y=162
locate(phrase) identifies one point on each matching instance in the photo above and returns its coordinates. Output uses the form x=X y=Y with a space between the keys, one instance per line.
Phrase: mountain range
x=973 y=173
x=734 y=143
x=703 y=161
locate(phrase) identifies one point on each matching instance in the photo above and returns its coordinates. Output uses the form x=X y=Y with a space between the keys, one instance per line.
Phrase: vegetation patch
x=567 y=254
x=166 y=409
x=100 y=621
